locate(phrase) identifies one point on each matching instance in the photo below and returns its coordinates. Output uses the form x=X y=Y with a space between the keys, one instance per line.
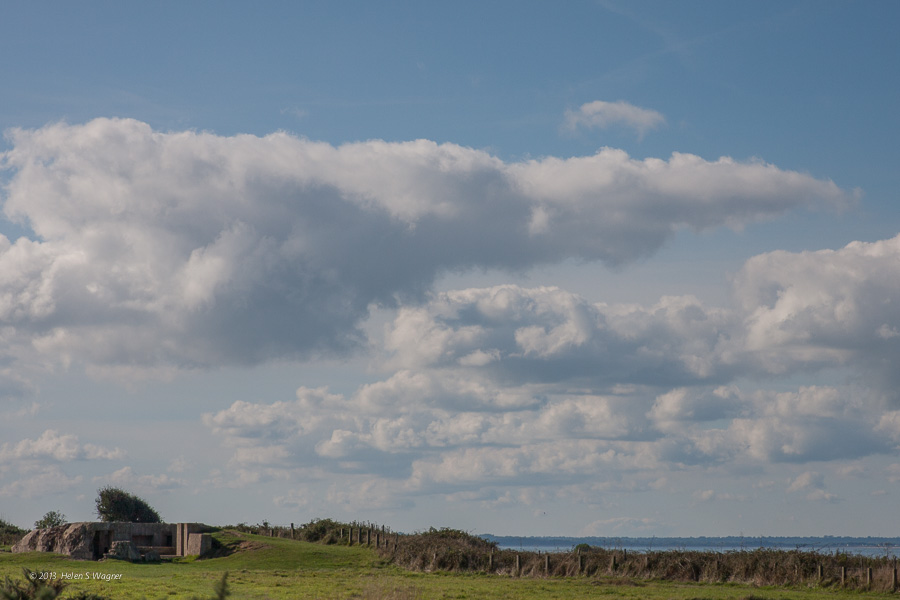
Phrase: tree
x=53 y=518
x=114 y=504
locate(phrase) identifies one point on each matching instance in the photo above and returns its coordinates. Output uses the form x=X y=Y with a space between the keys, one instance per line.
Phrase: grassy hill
x=277 y=568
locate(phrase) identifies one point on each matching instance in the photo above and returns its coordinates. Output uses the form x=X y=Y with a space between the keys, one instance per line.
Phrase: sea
x=864 y=546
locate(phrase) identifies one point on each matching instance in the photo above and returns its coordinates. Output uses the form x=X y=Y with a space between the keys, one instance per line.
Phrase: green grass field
x=274 y=568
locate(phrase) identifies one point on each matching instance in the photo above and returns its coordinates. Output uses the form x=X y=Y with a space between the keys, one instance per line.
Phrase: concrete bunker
x=94 y=541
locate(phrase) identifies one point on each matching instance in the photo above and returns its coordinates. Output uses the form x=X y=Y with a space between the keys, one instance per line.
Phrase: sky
x=523 y=268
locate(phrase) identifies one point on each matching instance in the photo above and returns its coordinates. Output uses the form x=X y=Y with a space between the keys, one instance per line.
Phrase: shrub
x=51 y=519
x=322 y=530
x=114 y=504
x=9 y=533
x=442 y=550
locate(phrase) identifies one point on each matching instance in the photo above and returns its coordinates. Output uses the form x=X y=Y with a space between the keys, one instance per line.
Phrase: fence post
x=894 y=579
x=612 y=564
x=869 y=576
x=843 y=575
x=292 y=531
x=491 y=562
x=518 y=565
x=580 y=563
x=819 y=570
x=547 y=564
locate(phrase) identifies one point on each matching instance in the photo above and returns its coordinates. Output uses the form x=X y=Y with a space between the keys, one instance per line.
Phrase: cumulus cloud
x=512 y=386
x=711 y=495
x=676 y=408
x=813 y=484
x=603 y=114
x=40 y=481
x=545 y=334
x=826 y=308
x=792 y=313
x=53 y=446
x=189 y=249
x=127 y=478
x=368 y=494
x=428 y=446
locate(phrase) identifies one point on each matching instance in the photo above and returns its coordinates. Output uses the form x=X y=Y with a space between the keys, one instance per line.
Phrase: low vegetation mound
x=10 y=534
x=441 y=550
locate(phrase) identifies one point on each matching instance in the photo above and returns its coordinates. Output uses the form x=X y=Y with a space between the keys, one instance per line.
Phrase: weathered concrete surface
x=198 y=544
x=182 y=534
x=124 y=550
x=151 y=555
x=73 y=539
x=90 y=541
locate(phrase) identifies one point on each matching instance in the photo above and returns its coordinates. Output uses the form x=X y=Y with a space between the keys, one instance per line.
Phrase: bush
x=51 y=519
x=116 y=505
x=321 y=530
x=442 y=550
x=9 y=533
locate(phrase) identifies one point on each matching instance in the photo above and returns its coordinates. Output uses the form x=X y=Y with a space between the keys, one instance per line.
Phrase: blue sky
x=598 y=268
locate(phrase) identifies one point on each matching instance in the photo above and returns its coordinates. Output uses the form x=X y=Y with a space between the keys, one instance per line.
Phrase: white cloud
x=711 y=495
x=603 y=114
x=185 y=249
x=294 y=499
x=40 y=481
x=51 y=445
x=807 y=480
x=126 y=477
x=543 y=334
x=28 y=410
x=179 y=465
x=813 y=483
x=826 y=308
x=368 y=494
x=855 y=471
x=893 y=473
x=563 y=389
x=676 y=407
x=182 y=249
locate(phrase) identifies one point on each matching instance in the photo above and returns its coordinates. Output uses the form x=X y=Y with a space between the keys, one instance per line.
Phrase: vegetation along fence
x=453 y=550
